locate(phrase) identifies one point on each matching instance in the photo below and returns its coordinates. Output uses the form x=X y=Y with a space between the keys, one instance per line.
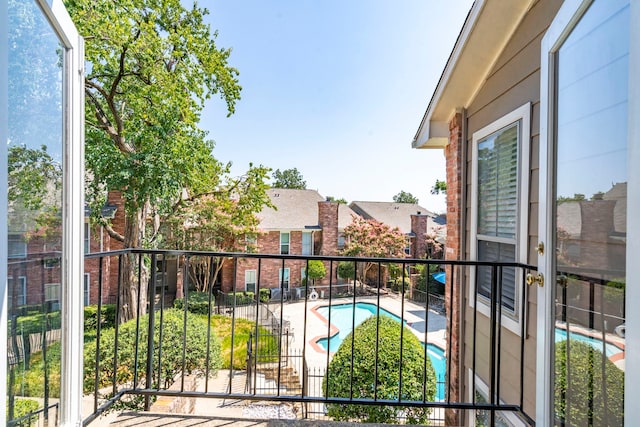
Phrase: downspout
x=463 y=248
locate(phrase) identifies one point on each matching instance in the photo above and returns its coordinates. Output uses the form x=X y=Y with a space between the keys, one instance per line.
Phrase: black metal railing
x=288 y=351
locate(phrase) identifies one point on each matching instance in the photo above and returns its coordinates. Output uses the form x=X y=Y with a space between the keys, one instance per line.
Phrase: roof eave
x=486 y=30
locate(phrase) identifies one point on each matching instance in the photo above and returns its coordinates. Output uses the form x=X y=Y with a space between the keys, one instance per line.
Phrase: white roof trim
x=485 y=33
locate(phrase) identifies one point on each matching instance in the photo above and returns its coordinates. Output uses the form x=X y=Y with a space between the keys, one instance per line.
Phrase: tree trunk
x=134 y=274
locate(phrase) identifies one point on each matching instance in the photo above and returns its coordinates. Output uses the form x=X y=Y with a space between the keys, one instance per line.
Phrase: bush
x=415 y=379
x=30 y=382
x=24 y=407
x=197 y=302
x=265 y=295
x=108 y=316
x=172 y=351
x=241 y=298
x=397 y=283
x=265 y=347
x=583 y=389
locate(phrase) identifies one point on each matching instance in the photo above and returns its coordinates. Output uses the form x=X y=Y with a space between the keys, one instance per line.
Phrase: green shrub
x=265 y=347
x=172 y=351
x=24 y=407
x=108 y=316
x=397 y=283
x=346 y=270
x=415 y=379
x=265 y=295
x=241 y=298
x=582 y=388
x=30 y=382
x=197 y=302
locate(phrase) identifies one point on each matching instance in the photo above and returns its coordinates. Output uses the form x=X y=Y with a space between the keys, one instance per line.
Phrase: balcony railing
x=285 y=340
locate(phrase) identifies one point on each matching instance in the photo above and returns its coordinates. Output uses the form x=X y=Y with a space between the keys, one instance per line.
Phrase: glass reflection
x=591 y=188
x=34 y=214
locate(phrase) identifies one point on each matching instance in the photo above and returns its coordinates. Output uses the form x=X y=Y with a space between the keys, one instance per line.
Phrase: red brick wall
x=328 y=221
x=453 y=154
x=419 y=228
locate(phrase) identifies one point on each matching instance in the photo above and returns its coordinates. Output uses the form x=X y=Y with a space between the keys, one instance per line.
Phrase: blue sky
x=336 y=89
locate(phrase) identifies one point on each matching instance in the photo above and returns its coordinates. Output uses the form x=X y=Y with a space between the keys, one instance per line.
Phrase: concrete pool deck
x=318 y=327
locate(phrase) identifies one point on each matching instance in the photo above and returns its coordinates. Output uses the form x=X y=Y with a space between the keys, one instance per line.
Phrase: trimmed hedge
x=589 y=393
x=108 y=317
x=197 y=302
x=172 y=350
x=415 y=379
x=265 y=295
x=23 y=407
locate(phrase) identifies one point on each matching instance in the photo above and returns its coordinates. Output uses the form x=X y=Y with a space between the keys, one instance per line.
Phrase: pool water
x=596 y=343
x=343 y=316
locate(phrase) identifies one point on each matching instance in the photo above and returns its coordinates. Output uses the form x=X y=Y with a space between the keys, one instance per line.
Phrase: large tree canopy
x=289 y=178
x=151 y=64
x=405 y=197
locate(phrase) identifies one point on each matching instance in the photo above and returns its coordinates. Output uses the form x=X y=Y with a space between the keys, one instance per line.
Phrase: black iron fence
x=300 y=350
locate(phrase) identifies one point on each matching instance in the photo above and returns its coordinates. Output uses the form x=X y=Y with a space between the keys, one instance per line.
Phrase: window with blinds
x=497 y=210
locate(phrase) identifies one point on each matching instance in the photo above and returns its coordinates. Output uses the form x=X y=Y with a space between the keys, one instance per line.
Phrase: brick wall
x=419 y=228
x=453 y=154
x=328 y=221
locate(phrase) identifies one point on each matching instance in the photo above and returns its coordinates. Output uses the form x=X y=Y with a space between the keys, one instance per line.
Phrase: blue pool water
x=596 y=343
x=342 y=317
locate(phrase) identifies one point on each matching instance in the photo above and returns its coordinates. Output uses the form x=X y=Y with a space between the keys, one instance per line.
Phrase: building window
x=87 y=235
x=250 y=281
x=52 y=295
x=250 y=243
x=284 y=243
x=307 y=243
x=284 y=278
x=407 y=246
x=500 y=200
x=341 y=241
x=87 y=285
x=17 y=246
x=17 y=292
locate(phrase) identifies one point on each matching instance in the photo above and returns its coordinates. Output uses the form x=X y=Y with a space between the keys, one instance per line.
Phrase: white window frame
x=307 y=249
x=19 y=244
x=482 y=388
x=52 y=294
x=288 y=243
x=87 y=238
x=510 y=319
x=565 y=20
x=282 y=284
x=246 y=280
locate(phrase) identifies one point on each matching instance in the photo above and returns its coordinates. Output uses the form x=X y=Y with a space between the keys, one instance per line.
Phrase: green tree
x=369 y=238
x=316 y=270
x=346 y=270
x=341 y=200
x=385 y=335
x=151 y=66
x=439 y=187
x=223 y=221
x=405 y=197
x=288 y=178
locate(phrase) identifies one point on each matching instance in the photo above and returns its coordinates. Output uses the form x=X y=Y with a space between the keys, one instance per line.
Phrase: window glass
x=34 y=211
x=284 y=243
x=306 y=243
x=498 y=183
x=250 y=280
x=284 y=278
x=591 y=99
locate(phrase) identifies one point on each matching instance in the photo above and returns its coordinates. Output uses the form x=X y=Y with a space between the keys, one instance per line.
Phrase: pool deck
x=317 y=326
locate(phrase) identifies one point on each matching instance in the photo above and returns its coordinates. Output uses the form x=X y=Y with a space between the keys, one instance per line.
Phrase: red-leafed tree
x=369 y=238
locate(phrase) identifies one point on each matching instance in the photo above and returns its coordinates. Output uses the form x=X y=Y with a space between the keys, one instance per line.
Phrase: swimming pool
x=342 y=317
x=596 y=343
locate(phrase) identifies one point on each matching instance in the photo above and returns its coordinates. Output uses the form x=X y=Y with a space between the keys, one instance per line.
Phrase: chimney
x=328 y=222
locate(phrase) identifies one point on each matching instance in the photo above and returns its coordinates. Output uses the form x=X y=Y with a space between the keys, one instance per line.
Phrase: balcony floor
x=138 y=419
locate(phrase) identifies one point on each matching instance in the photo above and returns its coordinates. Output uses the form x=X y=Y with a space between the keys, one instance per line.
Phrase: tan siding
x=513 y=81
